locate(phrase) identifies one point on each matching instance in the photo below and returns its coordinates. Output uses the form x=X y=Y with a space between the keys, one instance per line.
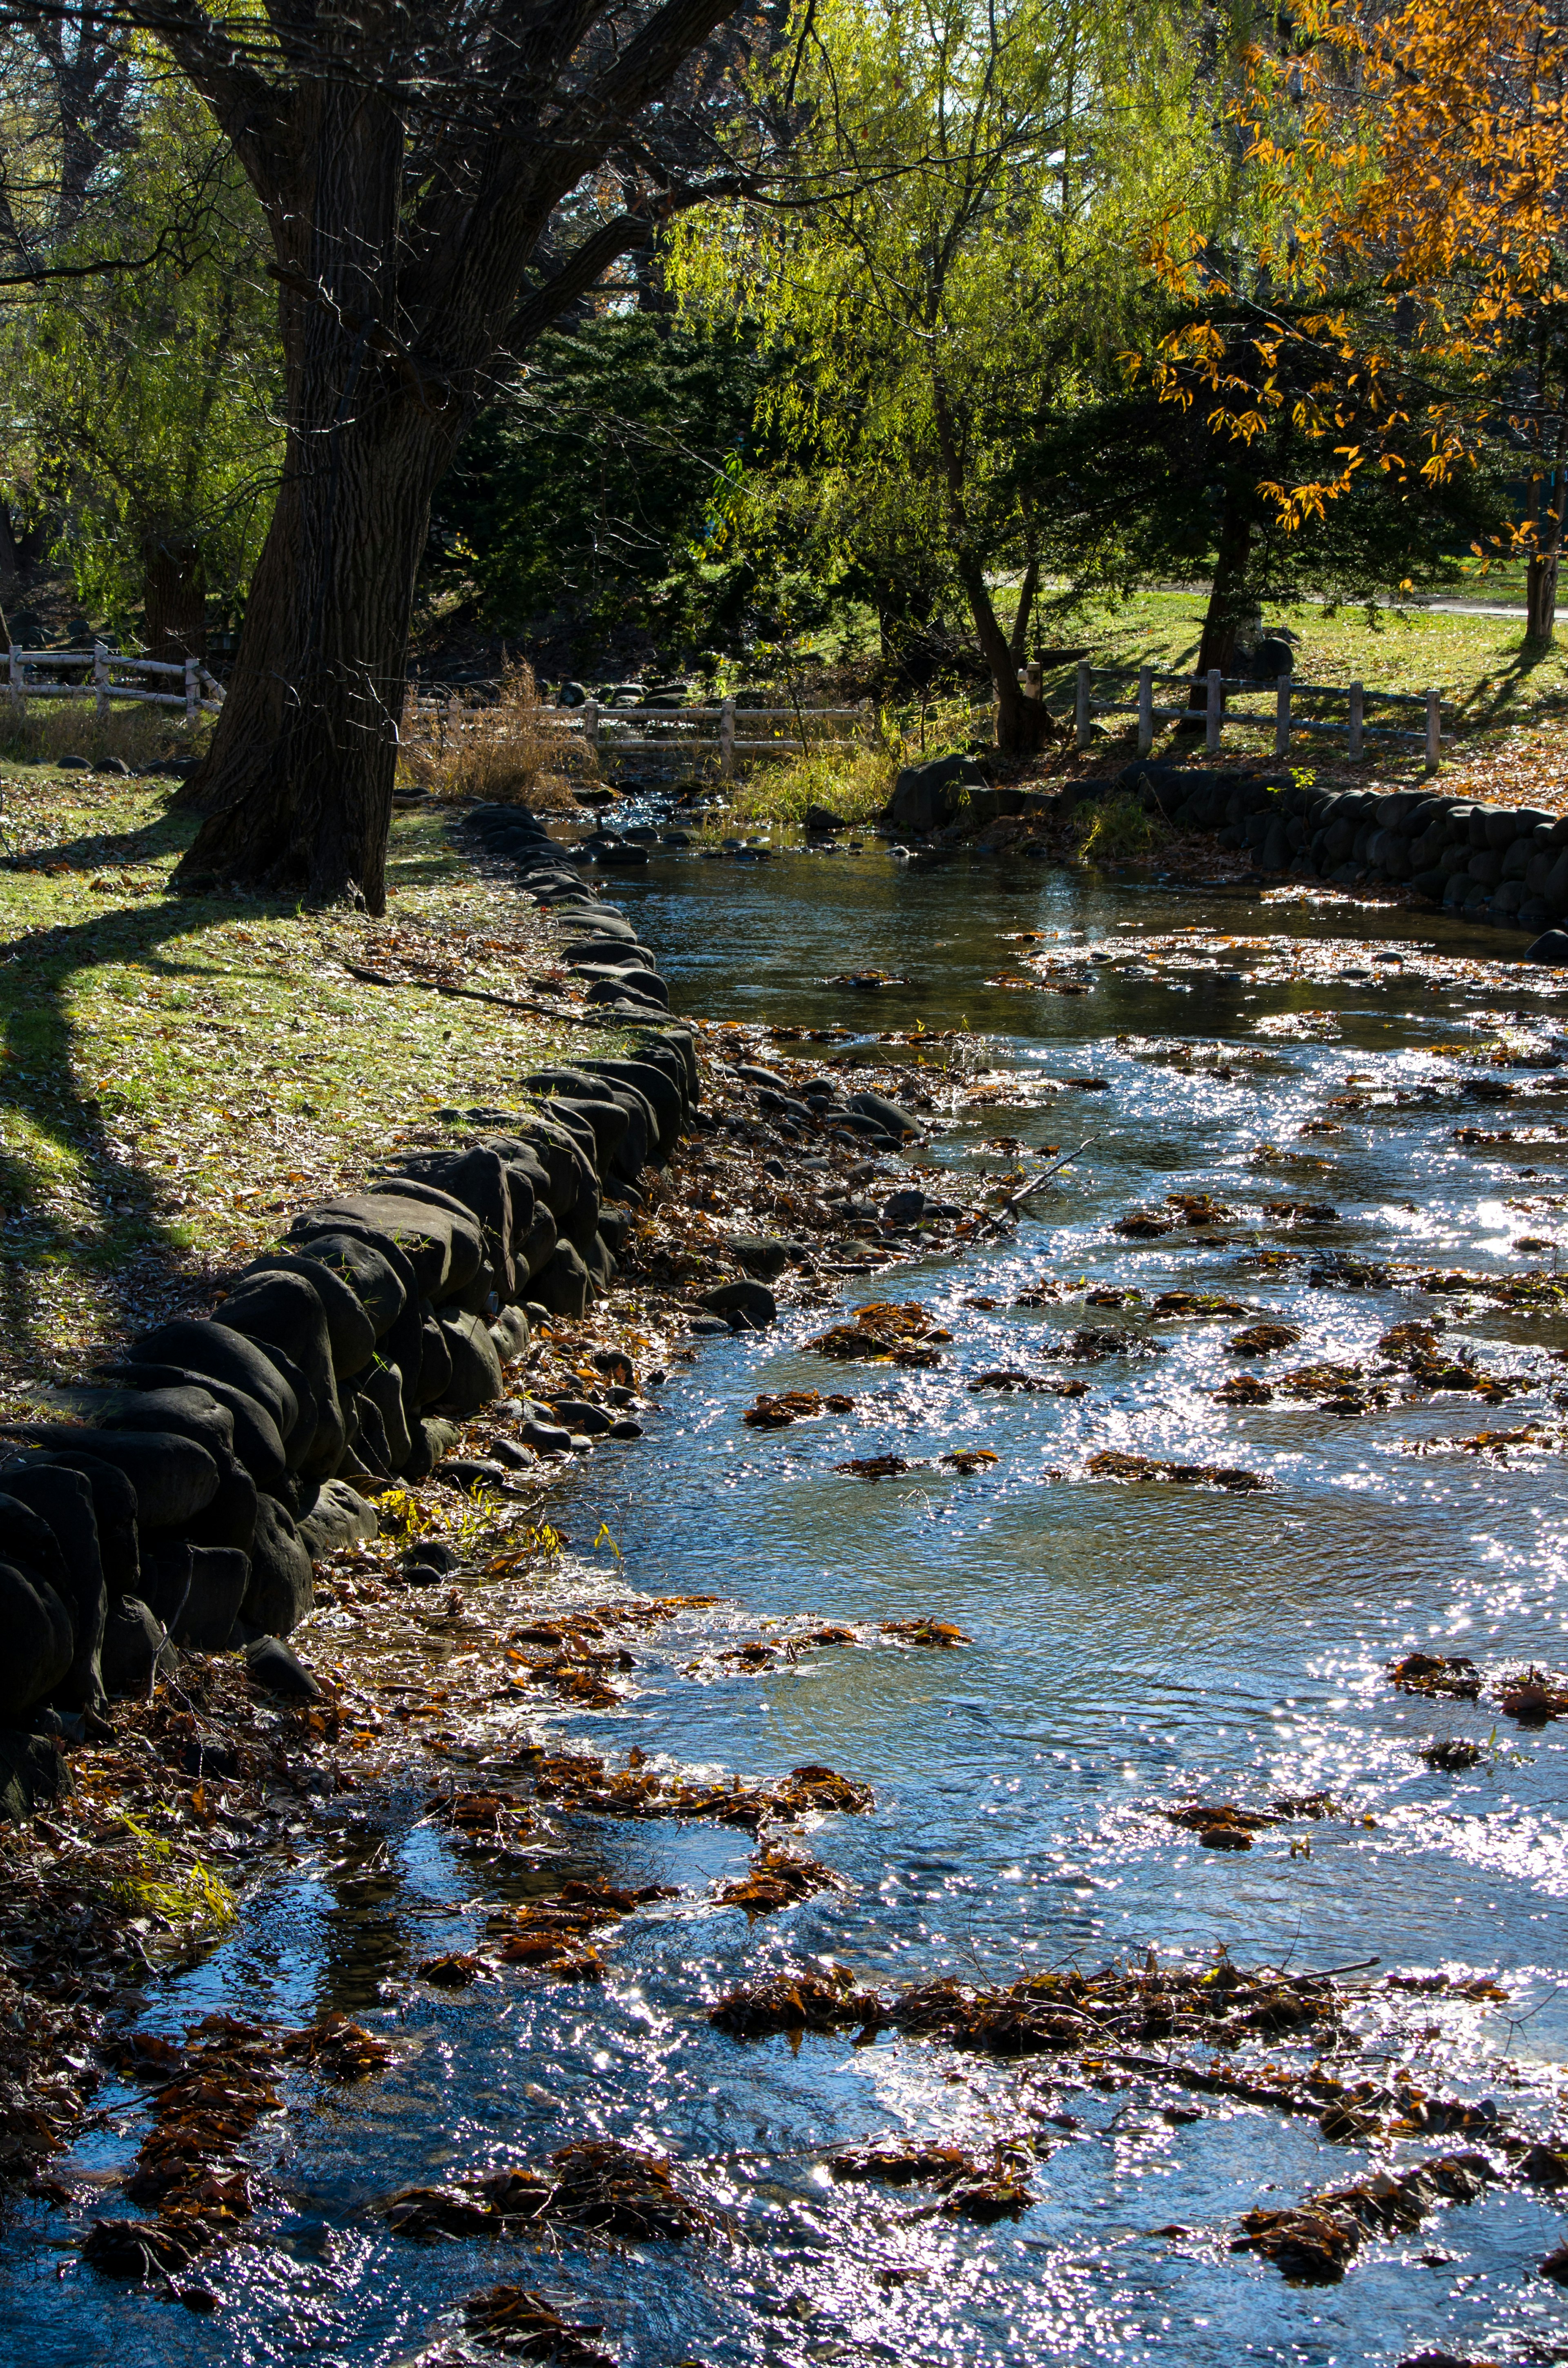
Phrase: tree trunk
x=1541 y=575
x=175 y=596
x=1021 y=724
x=1026 y=591
x=298 y=787
x=1229 y=601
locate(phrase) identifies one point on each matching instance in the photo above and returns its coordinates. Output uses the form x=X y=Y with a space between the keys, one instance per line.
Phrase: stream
x=1134 y=1647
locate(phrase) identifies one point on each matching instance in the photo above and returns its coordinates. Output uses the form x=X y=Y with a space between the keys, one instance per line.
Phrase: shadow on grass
x=84 y=1204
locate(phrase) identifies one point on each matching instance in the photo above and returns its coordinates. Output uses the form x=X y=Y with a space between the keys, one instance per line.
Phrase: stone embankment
x=204 y=1474
x=1502 y=864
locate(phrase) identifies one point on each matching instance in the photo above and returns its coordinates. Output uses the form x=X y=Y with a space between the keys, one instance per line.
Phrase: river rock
x=173 y=1477
x=350 y=1332
x=434 y=1438
x=33 y=1773
x=1551 y=947
x=281 y=1588
x=380 y=1278
x=339 y=1517
x=927 y=796
x=257 y=1442
x=270 y=1664
x=435 y=1358
x=762 y=1258
x=208 y=1348
x=476 y=1368
x=884 y=1114
x=751 y=1305
x=134 y=1645
x=63 y=1500
x=660 y=1092
x=37 y=1642
x=283 y=1311
x=114 y=1511
x=382 y=1389
x=196 y=1592
x=511 y=1334
x=419 y=1229
x=562 y=1286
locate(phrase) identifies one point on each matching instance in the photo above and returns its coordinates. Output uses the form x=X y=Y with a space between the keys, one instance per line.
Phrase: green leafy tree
x=606 y=491
x=144 y=403
x=946 y=243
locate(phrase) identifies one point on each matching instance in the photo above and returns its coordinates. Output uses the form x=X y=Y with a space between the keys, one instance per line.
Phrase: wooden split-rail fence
x=1291 y=696
x=724 y=729
x=199 y=693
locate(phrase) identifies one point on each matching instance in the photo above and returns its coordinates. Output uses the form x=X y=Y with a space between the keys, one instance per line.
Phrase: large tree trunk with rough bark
x=298 y=786
x=410 y=161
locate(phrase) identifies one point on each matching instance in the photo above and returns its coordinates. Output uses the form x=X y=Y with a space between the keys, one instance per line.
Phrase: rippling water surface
x=1133 y=1645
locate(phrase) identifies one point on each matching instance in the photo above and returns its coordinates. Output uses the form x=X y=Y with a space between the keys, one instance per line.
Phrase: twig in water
x=1011 y=1202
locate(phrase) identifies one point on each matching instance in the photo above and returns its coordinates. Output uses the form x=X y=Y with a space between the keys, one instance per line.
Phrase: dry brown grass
x=504 y=749
x=143 y=736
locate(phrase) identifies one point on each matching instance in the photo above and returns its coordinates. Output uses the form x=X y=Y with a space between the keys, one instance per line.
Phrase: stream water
x=1133 y=1645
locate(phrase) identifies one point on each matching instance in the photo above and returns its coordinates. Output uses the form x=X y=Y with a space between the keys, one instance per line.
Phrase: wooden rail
x=600 y=727
x=1286 y=721
x=102 y=688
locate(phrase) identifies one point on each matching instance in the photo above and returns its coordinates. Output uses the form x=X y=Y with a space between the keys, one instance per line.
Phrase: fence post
x=1215 y=711
x=100 y=681
x=727 y=739
x=1033 y=677
x=1282 y=717
x=591 y=726
x=1145 y=711
x=1434 y=729
x=869 y=726
x=1358 y=721
x=13 y=678
x=192 y=689
x=1081 y=705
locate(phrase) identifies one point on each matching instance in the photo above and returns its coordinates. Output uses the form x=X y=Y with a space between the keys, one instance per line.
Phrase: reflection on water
x=1132 y=1646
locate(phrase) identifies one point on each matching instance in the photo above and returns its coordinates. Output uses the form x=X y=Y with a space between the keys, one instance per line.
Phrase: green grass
x=179 y=1073
x=1507 y=706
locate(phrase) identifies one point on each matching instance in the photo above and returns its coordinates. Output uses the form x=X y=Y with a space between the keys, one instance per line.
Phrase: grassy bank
x=177 y=1074
x=1508 y=707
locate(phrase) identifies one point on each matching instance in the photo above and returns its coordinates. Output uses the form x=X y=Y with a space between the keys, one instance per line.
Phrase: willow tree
x=440 y=179
x=949 y=234
x=144 y=404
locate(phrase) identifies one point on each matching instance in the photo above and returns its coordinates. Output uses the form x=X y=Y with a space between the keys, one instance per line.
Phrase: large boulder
x=63 y=1500
x=750 y=1305
x=467 y=1256
x=764 y=1259
x=1551 y=947
x=256 y=1440
x=114 y=1511
x=281 y=1588
x=383 y=1390
x=658 y=1091
x=37 y=1642
x=925 y=797
x=283 y=1312
x=196 y=1592
x=33 y=1773
x=887 y=1115
x=377 y=1273
x=187 y=1407
x=435 y=1360
x=421 y=1233
x=476 y=1368
x=350 y=1331
x=281 y=1672
x=562 y=1286
x=207 y=1348
x=540 y=1248
x=135 y=1647
x=174 y=1478
x=477 y=1179
x=339 y=1517
x=229 y=1519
